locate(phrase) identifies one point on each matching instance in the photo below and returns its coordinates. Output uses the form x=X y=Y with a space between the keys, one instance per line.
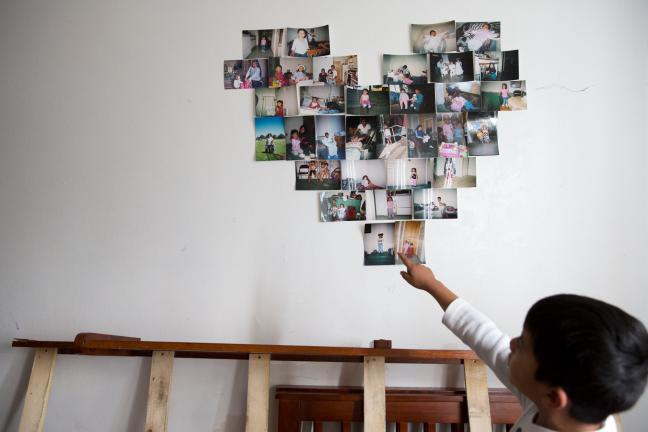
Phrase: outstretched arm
x=421 y=277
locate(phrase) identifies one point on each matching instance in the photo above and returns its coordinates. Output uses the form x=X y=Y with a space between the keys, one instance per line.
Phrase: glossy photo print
x=300 y=138
x=394 y=137
x=270 y=142
x=342 y=206
x=317 y=175
x=288 y=71
x=263 y=43
x=410 y=241
x=392 y=204
x=451 y=132
x=362 y=137
x=497 y=66
x=452 y=173
x=404 y=69
x=308 y=41
x=422 y=136
x=504 y=96
x=367 y=100
x=330 y=137
x=481 y=134
x=336 y=70
x=321 y=100
x=451 y=67
x=364 y=175
x=233 y=75
x=275 y=102
x=435 y=204
x=478 y=36
x=414 y=98
x=458 y=97
x=378 y=242
x=255 y=73
x=433 y=38
x=408 y=174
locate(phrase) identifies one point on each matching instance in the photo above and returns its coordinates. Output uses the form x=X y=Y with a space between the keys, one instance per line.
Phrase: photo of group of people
x=245 y=74
x=384 y=241
x=404 y=69
x=452 y=67
x=343 y=206
x=411 y=98
x=317 y=175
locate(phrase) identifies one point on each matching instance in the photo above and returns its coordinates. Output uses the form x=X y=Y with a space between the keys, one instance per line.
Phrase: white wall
x=116 y=216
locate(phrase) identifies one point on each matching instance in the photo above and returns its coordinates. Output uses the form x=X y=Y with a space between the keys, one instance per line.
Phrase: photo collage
x=393 y=153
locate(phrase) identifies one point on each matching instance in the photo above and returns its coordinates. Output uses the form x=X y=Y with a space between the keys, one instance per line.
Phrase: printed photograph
x=504 y=96
x=308 y=41
x=435 y=204
x=363 y=175
x=317 y=175
x=379 y=244
x=289 y=71
x=433 y=38
x=410 y=241
x=321 y=100
x=270 y=138
x=393 y=204
x=422 y=136
x=255 y=73
x=394 y=137
x=263 y=43
x=481 y=134
x=451 y=67
x=404 y=69
x=330 y=137
x=336 y=70
x=275 y=102
x=342 y=206
x=478 y=36
x=497 y=66
x=408 y=174
x=300 y=136
x=367 y=100
x=458 y=97
x=451 y=132
x=362 y=136
x=451 y=173
x=413 y=98
x=233 y=74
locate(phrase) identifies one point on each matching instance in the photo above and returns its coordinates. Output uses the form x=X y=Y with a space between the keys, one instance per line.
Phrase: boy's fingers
x=408 y=263
x=406 y=276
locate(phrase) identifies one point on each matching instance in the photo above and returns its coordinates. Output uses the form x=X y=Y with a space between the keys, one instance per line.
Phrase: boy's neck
x=561 y=423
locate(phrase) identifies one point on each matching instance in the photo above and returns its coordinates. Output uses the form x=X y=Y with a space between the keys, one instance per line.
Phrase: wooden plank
x=158 y=393
x=38 y=390
x=402 y=427
x=346 y=426
x=374 y=394
x=479 y=418
x=258 y=396
x=318 y=426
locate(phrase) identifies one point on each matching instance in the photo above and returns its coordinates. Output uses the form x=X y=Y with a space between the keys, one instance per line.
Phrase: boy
x=577 y=361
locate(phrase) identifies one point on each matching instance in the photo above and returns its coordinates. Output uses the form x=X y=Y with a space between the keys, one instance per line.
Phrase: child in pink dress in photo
x=365 y=100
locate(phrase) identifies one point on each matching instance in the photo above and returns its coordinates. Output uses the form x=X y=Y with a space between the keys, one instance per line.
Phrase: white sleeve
x=482 y=336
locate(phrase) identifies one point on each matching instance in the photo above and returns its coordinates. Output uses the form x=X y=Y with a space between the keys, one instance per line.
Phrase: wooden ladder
x=163 y=355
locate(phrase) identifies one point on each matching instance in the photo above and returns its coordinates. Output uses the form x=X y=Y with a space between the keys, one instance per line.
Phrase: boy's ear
x=556 y=397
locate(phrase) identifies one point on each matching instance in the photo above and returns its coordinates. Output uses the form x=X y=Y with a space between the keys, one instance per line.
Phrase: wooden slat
x=458 y=427
x=479 y=417
x=346 y=426
x=258 y=396
x=374 y=394
x=402 y=427
x=318 y=426
x=38 y=389
x=157 y=413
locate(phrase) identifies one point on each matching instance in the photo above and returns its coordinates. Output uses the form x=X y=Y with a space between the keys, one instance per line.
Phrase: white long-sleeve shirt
x=493 y=348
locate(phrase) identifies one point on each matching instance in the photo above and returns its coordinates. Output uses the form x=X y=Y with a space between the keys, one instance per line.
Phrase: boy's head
x=580 y=355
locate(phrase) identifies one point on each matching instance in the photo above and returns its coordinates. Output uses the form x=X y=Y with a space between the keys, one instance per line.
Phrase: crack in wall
x=562 y=87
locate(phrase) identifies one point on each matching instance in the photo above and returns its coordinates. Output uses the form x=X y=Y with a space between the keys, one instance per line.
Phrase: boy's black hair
x=595 y=351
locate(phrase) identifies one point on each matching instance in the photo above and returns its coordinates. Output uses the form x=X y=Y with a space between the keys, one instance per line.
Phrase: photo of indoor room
x=408 y=174
x=404 y=69
x=342 y=206
x=321 y=100
x=317 y=175
x=290 y=71
x=362 y=135
x=367 y=100
x=422 y=136
x=378 y=242
x=504 y=96
x=413 y=98
x=300 y=138
x=435 y=204
x=394 y=137
x=279 y=102
x=363 y=175
x=497 y=66
x=330 y=137
x=336 y=70
x=392 y=204
x=308 y=41
x=481 y=134
x=263 y=43
x=451 y=67
x=458 y=97
x=433 y=38
x=233 y=74
x=449 y=173
x=410 y=241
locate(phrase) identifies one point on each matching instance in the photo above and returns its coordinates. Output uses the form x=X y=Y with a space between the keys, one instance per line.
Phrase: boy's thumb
x=406 y=276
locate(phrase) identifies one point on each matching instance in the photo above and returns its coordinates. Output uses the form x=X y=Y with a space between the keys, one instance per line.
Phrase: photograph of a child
x=481 y=134
x=410 y=241
x=504 y=96
x=451 y=129
x=317 y=175
x=451 y=67
x=393 y=204
x=362 y=136
x=404 y=69
x=275 y=102
x=478 y=36
x=318 y=99
x=433 y=38
x=363 y=175
x=263 y=43
x=338 y=70
x=458 y=97
x=367 y=100
x=379 y=244
x=435 y=204
x=451 y=173
x=270 y=138
x=497 y=66
x=308 y=41
x=408 y=174
x=422 y=136
x=330 y=137
x=289 y=71
x=233 y=74
x=300 y=138
x=255 y=72
x=342 y=206
x=412 y=98
x=394 y=137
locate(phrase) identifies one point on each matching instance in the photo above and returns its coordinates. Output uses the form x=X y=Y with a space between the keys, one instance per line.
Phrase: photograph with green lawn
x=270 y=138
